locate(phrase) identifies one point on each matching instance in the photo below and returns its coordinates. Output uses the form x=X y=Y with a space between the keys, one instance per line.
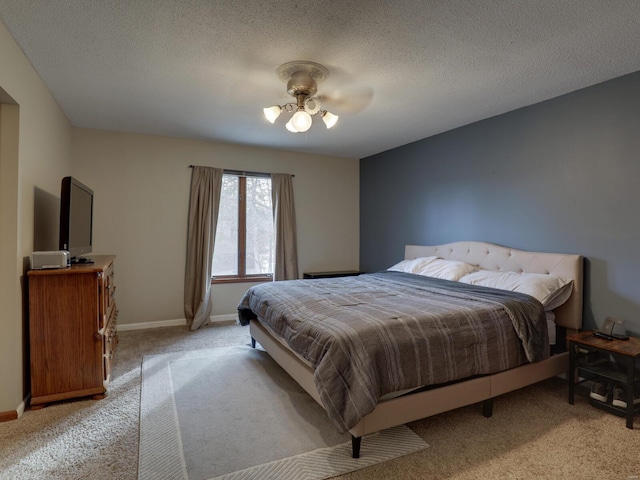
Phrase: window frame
x=242 y=276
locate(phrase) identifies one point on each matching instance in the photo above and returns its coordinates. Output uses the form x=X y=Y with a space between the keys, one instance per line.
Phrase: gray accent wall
x=558 y=176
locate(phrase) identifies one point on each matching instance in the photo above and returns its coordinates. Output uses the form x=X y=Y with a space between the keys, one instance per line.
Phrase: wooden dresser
x=72 y=330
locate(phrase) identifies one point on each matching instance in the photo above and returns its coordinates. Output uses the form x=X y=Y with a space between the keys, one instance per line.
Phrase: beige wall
x=141 y=185
x=34 y=156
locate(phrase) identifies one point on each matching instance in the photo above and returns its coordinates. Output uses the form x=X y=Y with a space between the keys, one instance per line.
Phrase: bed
x=396 y=402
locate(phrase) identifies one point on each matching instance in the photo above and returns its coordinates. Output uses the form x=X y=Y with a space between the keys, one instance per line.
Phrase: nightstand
x=590 y=358
x=342 y=273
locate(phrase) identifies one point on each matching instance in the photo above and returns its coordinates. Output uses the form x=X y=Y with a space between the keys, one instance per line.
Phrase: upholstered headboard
x=489 y=256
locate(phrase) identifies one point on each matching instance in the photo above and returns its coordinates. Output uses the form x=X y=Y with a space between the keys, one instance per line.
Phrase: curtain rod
x=243 y=173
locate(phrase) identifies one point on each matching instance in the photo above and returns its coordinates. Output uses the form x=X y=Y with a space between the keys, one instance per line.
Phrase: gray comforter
x=378 y=333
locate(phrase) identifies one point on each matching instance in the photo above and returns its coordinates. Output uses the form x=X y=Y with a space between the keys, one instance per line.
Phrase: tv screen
x=76 y=218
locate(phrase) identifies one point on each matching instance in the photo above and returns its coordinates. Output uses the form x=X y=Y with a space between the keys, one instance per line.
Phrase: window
x=244 y=245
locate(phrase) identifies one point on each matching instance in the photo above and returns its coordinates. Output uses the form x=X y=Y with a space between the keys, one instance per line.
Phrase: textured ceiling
x=406 y=69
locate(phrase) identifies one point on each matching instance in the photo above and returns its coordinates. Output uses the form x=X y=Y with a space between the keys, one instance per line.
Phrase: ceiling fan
x=302 y=79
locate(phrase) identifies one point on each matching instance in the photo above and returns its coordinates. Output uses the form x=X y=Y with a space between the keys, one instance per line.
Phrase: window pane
x=260 y=238
x=225 y=252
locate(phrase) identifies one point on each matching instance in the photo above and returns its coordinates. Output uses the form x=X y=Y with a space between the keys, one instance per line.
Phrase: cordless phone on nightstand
x=607 y=329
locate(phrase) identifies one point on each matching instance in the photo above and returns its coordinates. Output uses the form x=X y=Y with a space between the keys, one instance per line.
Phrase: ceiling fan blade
x=347 y=100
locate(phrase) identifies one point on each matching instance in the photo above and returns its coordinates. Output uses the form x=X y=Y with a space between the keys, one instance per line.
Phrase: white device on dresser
x=51 y=259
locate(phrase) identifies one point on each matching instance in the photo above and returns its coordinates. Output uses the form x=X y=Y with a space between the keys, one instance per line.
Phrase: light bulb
x=271 y=113
x=329 y=119
x=301 y=121
x=290 y=127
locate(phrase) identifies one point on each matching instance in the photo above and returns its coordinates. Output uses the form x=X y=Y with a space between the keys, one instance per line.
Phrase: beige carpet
x=233 y=413
x=533 y=434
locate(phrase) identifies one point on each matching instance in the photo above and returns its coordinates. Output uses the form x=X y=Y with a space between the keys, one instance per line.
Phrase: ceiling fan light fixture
x=272 y=113
x=302 y=78
x=329 y=119
x=301 y=121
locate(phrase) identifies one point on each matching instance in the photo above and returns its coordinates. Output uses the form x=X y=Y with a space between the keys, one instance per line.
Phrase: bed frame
x=415 y=406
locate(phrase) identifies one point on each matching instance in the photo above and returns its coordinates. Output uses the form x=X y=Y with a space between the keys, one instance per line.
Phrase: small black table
x=591 y=356
x=341 y=273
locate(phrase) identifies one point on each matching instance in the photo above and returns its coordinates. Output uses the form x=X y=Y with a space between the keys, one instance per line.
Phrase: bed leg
x=487 y=408
x=253 y=342
x=355 y=446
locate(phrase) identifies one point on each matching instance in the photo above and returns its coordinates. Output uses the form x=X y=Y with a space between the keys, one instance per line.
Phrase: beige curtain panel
x=204 y=202
x=284 y=222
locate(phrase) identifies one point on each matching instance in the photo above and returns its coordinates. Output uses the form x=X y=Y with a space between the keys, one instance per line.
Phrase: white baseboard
x=144 y=325
x=21 y=407
x=231 y=317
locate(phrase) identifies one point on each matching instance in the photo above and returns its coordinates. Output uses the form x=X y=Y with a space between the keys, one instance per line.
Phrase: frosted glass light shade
x=329 y=119
x=301 y=121
x=271 y=113
x=290 y=127
x=312 y=105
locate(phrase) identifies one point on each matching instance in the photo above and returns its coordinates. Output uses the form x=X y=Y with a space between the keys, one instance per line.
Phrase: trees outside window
x=244 y=244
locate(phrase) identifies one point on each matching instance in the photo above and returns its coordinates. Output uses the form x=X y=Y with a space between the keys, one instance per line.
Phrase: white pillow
x=411 y=266
x=446 y=269
x=549 y=290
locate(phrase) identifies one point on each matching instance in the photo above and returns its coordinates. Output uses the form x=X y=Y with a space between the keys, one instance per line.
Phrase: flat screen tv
x=76 y=219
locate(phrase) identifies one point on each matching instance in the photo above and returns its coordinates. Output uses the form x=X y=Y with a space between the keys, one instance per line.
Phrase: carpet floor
x=233 y=413
x=533 y=434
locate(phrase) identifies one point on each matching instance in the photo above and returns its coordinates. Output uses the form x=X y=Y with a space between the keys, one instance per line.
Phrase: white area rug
x=233 y=413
